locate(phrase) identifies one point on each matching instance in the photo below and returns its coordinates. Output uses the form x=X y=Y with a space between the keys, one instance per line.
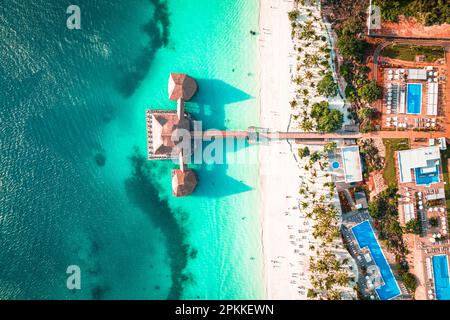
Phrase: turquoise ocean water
x=75 y=185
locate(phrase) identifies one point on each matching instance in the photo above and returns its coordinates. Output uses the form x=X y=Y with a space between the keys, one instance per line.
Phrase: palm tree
x=306 y=125
x=315 y=59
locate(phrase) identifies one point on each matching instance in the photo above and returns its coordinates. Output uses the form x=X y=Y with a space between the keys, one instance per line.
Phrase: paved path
x=318 y=136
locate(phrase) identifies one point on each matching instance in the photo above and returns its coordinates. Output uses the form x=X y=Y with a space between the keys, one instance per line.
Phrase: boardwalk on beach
x=317 y=136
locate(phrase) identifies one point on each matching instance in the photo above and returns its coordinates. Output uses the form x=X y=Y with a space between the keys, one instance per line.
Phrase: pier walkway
x=316 y=136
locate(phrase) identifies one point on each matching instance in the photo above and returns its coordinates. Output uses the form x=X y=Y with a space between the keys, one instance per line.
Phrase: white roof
x=442 y=143
x=408 y=211
x=415 y=158
x=433 y=92
x=417 y=74
x=440 y=194
x=402 y=102
x=352 y=164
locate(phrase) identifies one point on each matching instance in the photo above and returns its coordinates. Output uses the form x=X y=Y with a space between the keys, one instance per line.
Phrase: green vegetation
x=325 y=226
x=327 y=120
x=433 y=221
x=370 y=154
x=293 y=15
x=327 y=87
x=409 y=53
x=445 y=156
x=413 y=226
x=383 y=209
x=359 y=90
x=328 y=275
x=303 y=152
x=315 y=156
x=293 y=103
x=430 y=12
x=370 y=92
x=330 y=146
x=350 y=46
x=392 y=145
x=308 y=31
x=410 y=282
x=350 y=93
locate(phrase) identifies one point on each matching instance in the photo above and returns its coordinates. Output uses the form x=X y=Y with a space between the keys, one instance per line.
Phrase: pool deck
x=351 y=220
x=420 y=121
x=420 y=246
x=410 y=93
x=441 y=275
x=388 y=288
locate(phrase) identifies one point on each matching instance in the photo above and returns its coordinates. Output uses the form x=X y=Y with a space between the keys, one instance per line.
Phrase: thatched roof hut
x=181 y=86
x=183 y=182
x=162 y=130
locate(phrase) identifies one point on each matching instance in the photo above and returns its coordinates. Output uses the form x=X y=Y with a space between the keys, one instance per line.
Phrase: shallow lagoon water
x=76 y=187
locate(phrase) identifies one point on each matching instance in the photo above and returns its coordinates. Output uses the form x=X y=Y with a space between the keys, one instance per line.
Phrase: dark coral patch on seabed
x=143 y=191
x=157 y=30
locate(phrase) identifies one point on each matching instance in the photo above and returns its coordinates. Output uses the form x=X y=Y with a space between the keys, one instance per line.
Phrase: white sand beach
x=279 y=170
x=287 y=234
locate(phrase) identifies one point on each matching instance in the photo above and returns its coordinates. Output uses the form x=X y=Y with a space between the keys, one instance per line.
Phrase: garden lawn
x=409 y=53
x=392 y=145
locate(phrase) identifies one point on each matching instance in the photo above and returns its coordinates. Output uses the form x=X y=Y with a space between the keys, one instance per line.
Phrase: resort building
x=423 y=161
x=422 y=197
x=165 y=131
x=410 y=98
x=184 y=180
x=346 y=164
x=163 y=134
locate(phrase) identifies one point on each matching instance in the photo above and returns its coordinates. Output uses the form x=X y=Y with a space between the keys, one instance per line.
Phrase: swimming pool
x=365 y=236
x=414 y=99
x=336 y=165
x=426 y=178
x=441 y=277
